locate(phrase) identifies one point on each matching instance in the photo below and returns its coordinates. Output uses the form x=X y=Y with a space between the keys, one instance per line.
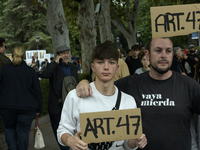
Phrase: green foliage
x=71 y=13
x=84 y=76
x=21 y=22
x=44 y=85
x=143 y=23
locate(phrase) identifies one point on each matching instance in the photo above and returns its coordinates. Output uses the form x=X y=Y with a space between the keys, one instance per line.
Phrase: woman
x=145 y=65
x=20 y=100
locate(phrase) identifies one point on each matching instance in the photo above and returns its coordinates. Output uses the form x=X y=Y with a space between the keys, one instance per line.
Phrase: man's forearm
x=65 y=138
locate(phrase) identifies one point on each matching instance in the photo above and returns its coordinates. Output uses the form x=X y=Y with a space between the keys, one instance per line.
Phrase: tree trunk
x=104 y=21
x=130 y=33
x=86 y=25
x=57 y=24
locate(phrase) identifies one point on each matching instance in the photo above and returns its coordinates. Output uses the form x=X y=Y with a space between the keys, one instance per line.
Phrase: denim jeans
x=17 y=125
x=55 y=119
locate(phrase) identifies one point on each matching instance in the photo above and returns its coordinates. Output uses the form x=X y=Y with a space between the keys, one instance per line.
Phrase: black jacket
x=20 y=88
x=55 y=74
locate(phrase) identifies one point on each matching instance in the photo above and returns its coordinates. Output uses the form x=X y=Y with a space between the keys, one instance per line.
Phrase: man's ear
x=146 y=54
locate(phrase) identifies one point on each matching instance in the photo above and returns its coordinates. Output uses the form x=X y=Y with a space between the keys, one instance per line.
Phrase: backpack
x=69 y=83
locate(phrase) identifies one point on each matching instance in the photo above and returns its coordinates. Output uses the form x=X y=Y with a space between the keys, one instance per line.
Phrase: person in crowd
x=176 y=65
x=197 y=71
x=188 y=63
x=20 y=100
x=192 y=53
x=145 y=65
x=79 y=64
x=44 y=64
x=123 y=70
x=166 y=114
x=120 y=53
x=74 y=60
x=128 y=53
x=33 y=65
x=105 y=66
x=142 y=51
x=3 y=59
x=37 y=63
x=55 y=72
x=52 y=59
x=133 y=62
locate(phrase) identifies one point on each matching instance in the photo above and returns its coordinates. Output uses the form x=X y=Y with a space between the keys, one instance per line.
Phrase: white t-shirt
x=73 y=105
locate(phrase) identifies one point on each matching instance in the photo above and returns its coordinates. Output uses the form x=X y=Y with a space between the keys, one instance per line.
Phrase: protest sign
x=111 y=125
x=168 y=21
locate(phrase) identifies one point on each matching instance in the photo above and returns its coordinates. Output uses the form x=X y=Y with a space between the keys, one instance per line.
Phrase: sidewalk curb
x=42 y=120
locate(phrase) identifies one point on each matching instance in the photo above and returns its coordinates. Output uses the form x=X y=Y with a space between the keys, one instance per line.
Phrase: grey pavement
x=45 y=127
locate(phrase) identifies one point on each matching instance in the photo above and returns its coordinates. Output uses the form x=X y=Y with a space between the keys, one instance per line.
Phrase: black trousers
x=55 y=119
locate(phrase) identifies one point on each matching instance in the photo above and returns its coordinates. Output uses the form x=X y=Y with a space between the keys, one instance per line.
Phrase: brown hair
x=105 y=50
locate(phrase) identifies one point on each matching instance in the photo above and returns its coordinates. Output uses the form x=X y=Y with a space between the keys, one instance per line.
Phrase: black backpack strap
x=118 y=101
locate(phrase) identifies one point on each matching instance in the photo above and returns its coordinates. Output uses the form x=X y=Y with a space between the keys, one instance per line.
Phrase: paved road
x=49 y=139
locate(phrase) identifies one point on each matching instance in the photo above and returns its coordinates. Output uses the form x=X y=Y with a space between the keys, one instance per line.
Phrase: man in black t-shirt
x=167 y=99
x=133 y=62
x=192 y=53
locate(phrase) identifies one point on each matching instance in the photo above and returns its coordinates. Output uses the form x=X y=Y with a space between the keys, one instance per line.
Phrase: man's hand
x=84 y=89
x=58 y=58
x=142 y=141
x=76 y=143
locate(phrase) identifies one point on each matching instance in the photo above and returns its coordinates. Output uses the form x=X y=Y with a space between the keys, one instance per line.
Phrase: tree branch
x=119 y=24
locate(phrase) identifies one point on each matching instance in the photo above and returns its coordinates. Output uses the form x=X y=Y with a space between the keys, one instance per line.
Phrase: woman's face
x=145 y=62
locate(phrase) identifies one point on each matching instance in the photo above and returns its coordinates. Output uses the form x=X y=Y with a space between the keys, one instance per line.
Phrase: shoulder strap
x=36 y=121
x=118 y=101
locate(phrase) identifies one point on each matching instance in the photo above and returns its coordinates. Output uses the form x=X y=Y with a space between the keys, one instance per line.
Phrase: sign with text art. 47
x=108 y=126
x=168 y=21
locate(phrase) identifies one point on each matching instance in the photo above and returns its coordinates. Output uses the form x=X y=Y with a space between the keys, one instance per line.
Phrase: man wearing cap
x=192 y=53
x=55 y=72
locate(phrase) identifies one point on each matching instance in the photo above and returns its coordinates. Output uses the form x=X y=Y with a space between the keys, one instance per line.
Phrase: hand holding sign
x=76 y=143
x=140 y=142
x=111 y=125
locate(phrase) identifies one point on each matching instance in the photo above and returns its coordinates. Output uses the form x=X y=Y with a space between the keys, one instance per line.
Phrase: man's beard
x=161 y=71
x=191 y=51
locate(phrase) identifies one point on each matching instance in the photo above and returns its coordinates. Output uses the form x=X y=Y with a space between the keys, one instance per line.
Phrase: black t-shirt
x=194 y=55
x=133 y=64
x=167 y=107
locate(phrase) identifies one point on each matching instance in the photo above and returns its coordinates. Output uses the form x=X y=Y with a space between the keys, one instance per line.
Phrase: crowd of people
x=161 y=79
x=168 y=99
